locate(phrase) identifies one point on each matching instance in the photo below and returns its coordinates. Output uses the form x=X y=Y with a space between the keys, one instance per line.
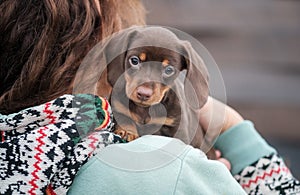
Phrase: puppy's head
x=150 y=61
x=150 y=73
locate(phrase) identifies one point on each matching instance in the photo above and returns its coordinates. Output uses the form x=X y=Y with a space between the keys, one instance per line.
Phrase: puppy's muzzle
x=144 y=92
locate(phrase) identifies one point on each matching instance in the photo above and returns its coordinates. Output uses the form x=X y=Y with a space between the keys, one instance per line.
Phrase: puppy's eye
x=134 y=61
x=169 y=71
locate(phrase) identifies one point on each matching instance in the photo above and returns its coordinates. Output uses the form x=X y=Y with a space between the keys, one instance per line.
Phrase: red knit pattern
x=38 y=160
x=107 y=118
x=93 y=144
x=49 y=113
x=254 y=181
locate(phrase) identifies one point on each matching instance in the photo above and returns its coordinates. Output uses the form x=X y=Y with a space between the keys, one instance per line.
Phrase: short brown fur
x=144 y=114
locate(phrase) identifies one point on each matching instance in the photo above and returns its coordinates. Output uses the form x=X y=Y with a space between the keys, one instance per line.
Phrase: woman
x=42 y=44
x=47 y=134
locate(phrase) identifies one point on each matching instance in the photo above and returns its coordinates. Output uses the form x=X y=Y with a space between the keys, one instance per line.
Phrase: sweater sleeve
x=242 y=146
x=199 y=175
x=255 y=164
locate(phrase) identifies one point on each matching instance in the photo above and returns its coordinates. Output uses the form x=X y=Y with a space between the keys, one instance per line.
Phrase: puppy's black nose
x=144 y=93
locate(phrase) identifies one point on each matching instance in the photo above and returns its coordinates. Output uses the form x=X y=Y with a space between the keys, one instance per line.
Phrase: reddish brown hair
x=42 y=43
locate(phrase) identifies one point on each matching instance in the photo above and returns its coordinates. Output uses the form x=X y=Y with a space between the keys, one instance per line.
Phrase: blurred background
x=256 y=45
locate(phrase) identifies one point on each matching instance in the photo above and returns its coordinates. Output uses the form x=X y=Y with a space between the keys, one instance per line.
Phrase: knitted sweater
x=256 y=165
x=43 y=147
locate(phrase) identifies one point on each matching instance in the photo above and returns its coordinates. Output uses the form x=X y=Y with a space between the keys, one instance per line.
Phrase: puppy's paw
x=126 y=135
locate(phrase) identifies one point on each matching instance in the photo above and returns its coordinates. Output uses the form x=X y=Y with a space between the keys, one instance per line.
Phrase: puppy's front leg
x=127 y=132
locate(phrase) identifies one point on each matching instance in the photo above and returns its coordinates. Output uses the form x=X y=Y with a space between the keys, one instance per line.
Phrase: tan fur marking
x=131 y=86
x=159 y=93
x=127 y=127
x=143 y=56
x=121 y=108
x=165 y=62
x=127 y=132
x=163 y=121
x=135 y=117
x=163 y=91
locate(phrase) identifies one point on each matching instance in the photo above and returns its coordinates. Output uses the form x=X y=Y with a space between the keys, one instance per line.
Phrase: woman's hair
x=42 y=43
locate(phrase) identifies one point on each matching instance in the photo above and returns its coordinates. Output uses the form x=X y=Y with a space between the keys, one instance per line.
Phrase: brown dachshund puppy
x=159 y=84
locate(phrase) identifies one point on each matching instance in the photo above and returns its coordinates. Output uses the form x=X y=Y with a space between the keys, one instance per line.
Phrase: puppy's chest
x=159 y=115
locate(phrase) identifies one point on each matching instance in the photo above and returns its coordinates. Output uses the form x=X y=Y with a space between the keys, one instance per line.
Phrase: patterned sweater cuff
x=242 y=145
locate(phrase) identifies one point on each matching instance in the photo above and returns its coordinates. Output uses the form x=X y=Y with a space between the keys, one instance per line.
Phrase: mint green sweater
x=161 y=165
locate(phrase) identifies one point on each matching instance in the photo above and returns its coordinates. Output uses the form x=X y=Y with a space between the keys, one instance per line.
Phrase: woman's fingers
x=223 y=160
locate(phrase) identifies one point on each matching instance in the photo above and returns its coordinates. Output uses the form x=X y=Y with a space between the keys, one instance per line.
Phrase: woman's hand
x=223 y=160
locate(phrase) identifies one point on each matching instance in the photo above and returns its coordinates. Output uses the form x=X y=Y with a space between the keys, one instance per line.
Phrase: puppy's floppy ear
x=115 y=51
x=196 y=84
x=103 y=64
